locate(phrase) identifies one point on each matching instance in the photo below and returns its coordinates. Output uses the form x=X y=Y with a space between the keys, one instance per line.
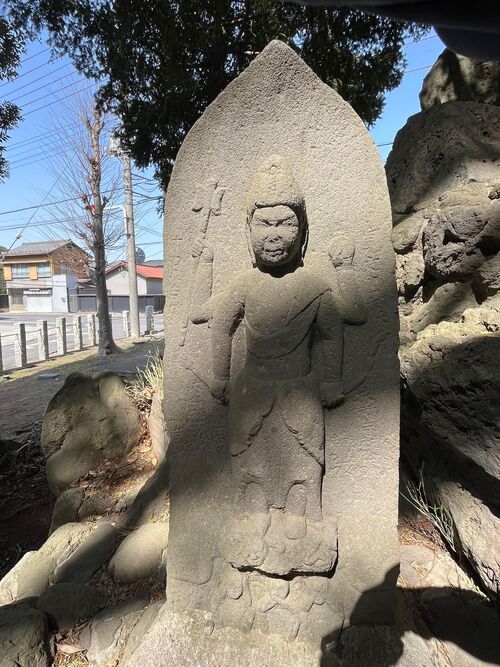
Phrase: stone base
x=182 y=640
x=191 y=641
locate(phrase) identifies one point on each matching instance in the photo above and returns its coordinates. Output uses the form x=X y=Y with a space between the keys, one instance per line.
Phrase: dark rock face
x=447 y=238
x=24 y=640
x=457 y=78
x=89 y=420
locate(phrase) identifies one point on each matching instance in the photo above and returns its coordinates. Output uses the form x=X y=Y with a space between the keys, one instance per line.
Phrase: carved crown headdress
x=275 y=185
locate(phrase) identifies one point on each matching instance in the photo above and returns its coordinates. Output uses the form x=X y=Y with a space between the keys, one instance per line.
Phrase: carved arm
x=350 y=302
x=331 y=330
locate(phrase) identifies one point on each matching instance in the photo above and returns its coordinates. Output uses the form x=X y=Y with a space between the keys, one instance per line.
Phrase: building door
x=39 y=303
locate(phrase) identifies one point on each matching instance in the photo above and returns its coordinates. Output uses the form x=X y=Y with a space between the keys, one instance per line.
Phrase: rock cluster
x=444 y=181
x=108 y=532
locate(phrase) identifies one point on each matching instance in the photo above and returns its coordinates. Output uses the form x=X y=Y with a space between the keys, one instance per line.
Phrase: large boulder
x=104 y=637
x=91 y=419
x=454 y=77
x=71 y=554
x=24 y=637
x=32 y=574
x=140 y=557
x=67 y=605
x=448 y=146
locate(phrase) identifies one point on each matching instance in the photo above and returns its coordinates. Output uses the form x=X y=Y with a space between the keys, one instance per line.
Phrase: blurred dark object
x=472 y=31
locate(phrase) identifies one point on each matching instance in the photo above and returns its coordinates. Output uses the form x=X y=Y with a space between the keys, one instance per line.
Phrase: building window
x=20 y=271
x=43 y=270
x=16 y=297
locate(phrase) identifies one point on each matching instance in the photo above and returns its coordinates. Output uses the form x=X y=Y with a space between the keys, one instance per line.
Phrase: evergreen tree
x=164 y=61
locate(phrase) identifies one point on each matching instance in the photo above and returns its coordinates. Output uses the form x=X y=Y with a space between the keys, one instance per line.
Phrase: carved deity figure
x=276 y=401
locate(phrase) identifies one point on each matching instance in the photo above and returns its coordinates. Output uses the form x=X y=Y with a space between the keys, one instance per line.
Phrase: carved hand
x=202 y=250
x=341 y=254
x=332 y=393
x=220 y=390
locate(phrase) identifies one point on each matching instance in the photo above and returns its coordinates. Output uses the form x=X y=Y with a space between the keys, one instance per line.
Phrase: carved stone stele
x=281 y=374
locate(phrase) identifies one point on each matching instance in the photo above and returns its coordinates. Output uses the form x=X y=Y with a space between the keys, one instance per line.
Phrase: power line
x=43 y=97
x=26 y=85
x=18 y=236
x=35 y=55
x=417 y=41
x=60 y=100
x=52 y=203
x=36 y=137
x=417 y=69
x=25 y=74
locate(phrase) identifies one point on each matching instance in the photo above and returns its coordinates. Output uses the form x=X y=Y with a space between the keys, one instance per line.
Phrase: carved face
x=275 y=235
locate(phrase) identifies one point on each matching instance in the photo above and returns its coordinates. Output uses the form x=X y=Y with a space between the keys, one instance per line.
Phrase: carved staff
x=212 y=205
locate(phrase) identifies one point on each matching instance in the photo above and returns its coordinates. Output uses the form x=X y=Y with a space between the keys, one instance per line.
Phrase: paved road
x=8 y=322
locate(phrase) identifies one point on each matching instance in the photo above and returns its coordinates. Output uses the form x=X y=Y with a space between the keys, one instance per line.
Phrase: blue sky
x=43 y=89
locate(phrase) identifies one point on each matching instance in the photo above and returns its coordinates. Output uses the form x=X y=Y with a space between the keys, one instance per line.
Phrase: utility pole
x=130 y=231
x=116 y=150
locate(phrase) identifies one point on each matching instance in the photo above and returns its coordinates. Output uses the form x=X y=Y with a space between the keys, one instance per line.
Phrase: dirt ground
x=24 y=397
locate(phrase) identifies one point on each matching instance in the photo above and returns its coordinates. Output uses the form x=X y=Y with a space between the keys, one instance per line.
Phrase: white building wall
x=117 y=283
x=59 y=294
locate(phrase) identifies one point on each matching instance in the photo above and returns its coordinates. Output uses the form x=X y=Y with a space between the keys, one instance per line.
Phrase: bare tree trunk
x=106 y=343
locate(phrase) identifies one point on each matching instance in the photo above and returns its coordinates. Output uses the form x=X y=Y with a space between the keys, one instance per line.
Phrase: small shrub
x=438 y=515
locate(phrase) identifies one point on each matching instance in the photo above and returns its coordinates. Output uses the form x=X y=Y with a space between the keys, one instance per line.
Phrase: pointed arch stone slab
x=279 y=106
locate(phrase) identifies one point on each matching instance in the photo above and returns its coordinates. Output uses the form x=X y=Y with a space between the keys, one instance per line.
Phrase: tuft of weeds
x=437 y=514
x=149 y=382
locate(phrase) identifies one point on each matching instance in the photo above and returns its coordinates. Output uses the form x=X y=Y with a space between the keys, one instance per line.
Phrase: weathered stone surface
x=67 y=605
x=88 y=557
x=458 y=240
x=407 y=231
x=455 y=77
x=193 y=641
x=137 y=633
x=478 y=530
x=157 y=431
x=442 y=148
x=446 y=303
x=284 y=503
x=106 y=634
x=96 y=504
x=24 y=637
x=455 y=379
x=149 y=503
x=139 y=557
x=66 y=508
x=382 y=646
x=89 y=420
x=32 y=574
x=445 y=170
x=431 y=569
x=488 y=275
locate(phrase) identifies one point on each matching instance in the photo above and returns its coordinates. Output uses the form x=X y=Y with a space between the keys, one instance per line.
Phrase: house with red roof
x=149 y=279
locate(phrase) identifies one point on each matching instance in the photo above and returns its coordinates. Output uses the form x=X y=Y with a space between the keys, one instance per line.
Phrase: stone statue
x=276 y=424
x=281 y=375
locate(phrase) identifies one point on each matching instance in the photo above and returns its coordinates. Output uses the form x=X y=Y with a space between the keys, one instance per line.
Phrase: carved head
x=277 y=228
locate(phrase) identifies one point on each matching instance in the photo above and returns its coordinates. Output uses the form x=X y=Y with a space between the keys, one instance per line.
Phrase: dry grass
x=149 y=382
